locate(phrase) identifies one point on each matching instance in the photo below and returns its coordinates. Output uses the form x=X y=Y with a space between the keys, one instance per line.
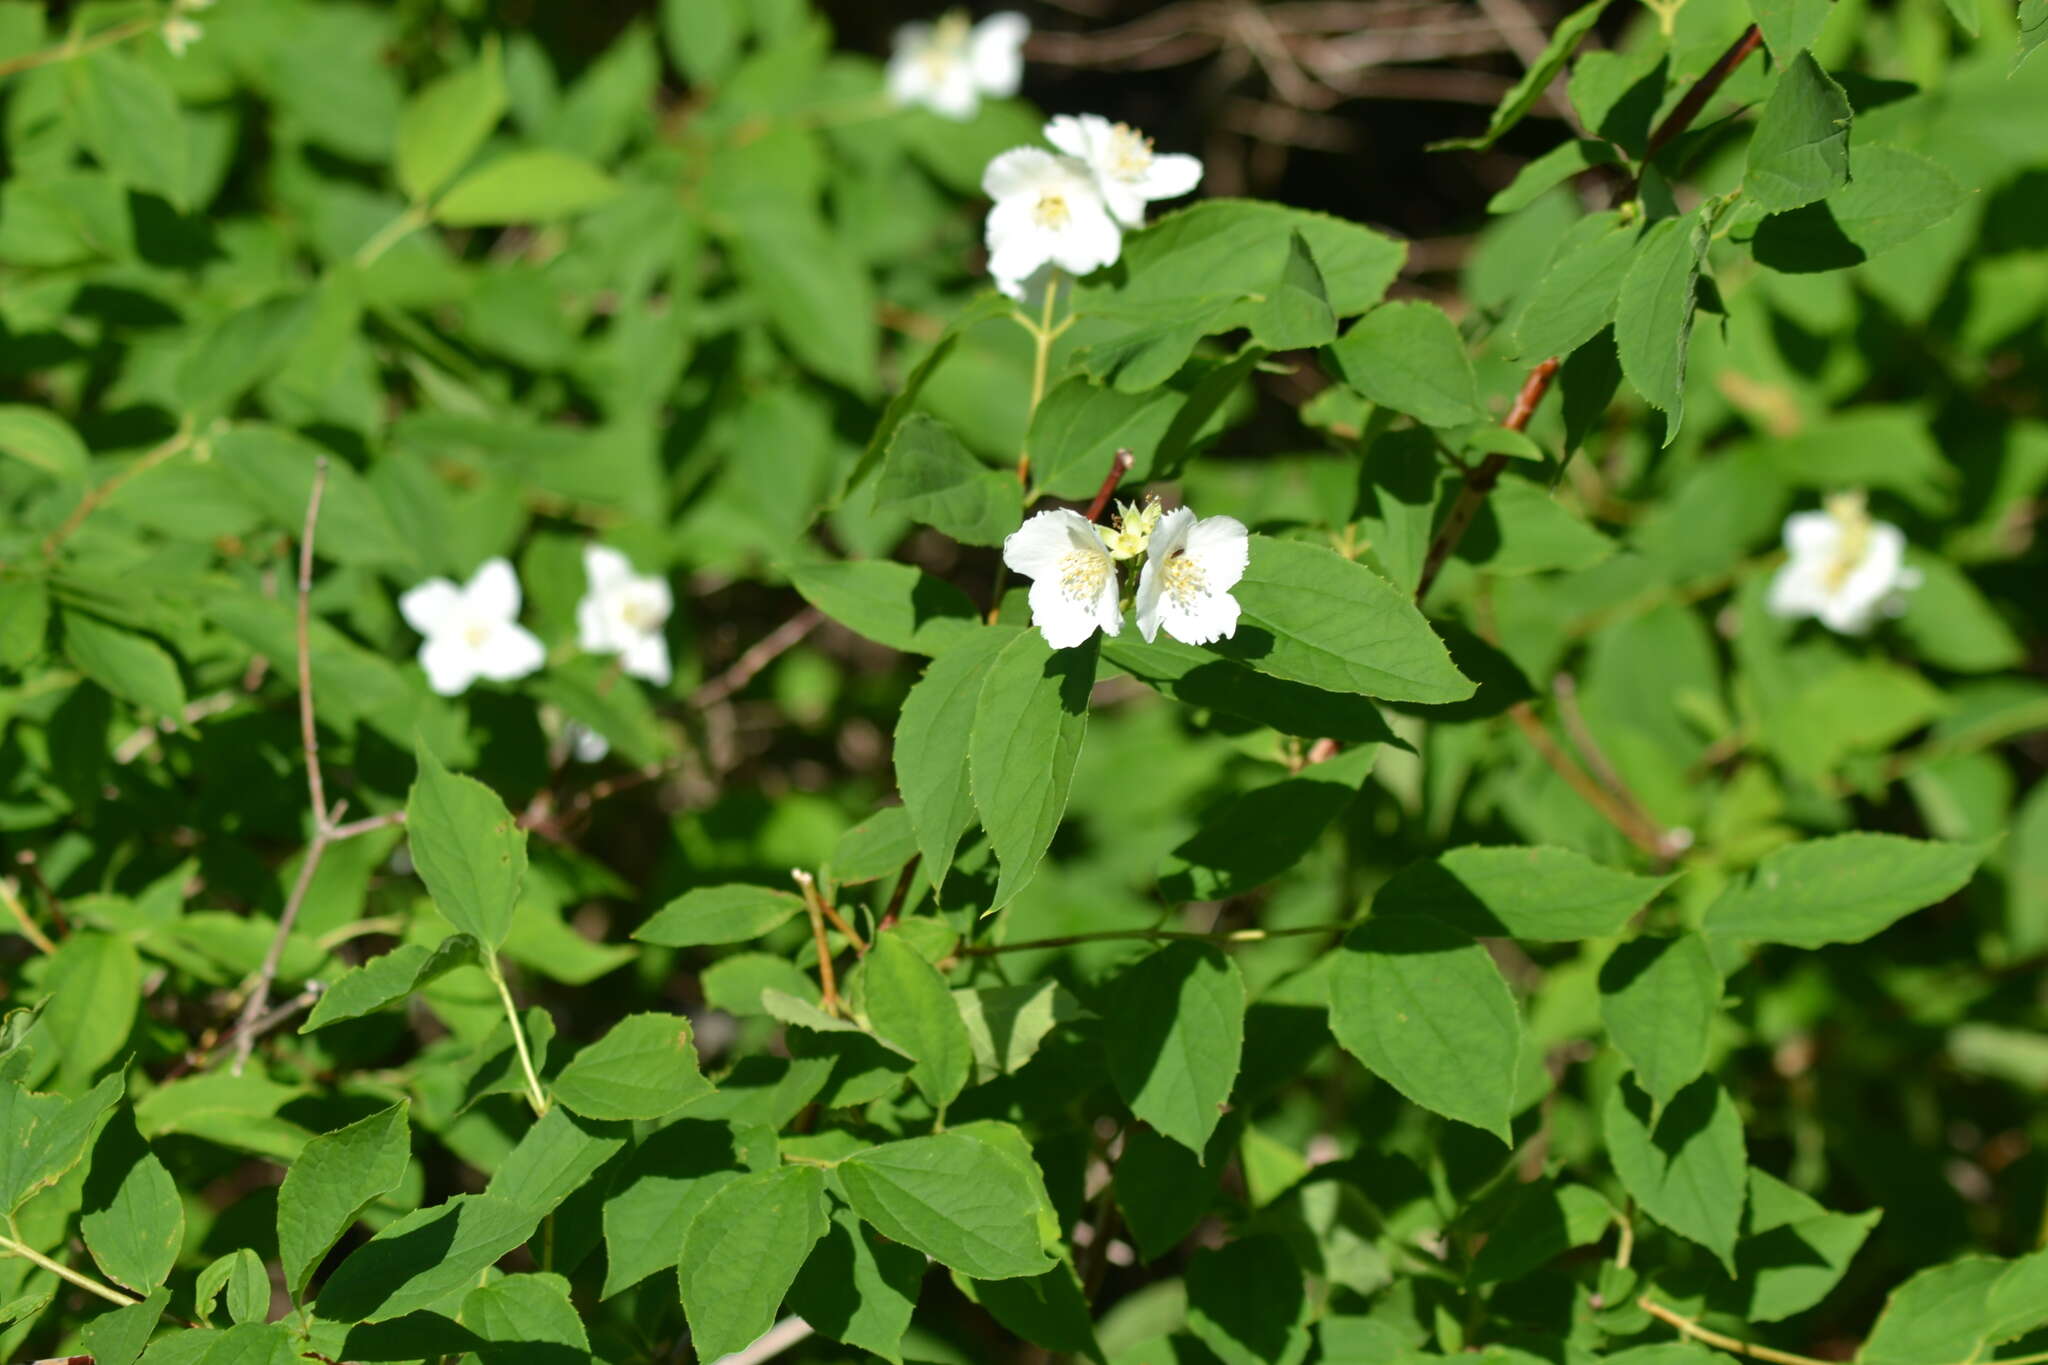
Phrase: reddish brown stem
x=1688 y=108
x=1480 y=481
x=1118 y=467
x=900 y=894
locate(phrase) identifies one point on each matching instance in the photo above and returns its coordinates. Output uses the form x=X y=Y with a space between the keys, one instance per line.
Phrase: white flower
x=948 y=66
x=1843 y=568
x=1190 y=568
x=1127 y=172
x=623 y=612
x=180 y=33
x=1073 y=579
x=585 y=743
x=472 y=631
x=1047 y=212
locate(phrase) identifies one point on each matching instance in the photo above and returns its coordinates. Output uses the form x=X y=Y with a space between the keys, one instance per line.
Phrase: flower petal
x=450 y=664
x=1075 y=134
x=604 y=567
x=427 y=607
x=647 y=657
x=492 y=593
x=1171 y=175
x=995 y=52
x=1811 y=533
x=1021 y=170
x=594 y=626
x=1091 y=238
x=1202 y=619
x=1222 y=546
x=1037 y=548
x=508 y=652
x=1064 y=621
x=1147 y=603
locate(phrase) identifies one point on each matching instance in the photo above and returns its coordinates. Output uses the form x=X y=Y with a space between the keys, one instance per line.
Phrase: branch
x=1118 y=467
x=1688 y=108
x=1105 y=935
x=11 y=898
x=765 y=651
x=828 y=983
x=1479 y=482
x=769 y=1344
x=1687 y=1327
x=100 y=492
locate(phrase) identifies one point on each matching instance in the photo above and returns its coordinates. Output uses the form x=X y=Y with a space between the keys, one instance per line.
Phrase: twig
x=1566 y=690
x=1688 y=1327
x=1647 y=838
x=369 y=824
x=1042 y=337
x=1105 y=935
x=769 y=1344
x=828 y=982
x=10 y=1246
x=534 y=1094
x=11 y=898
x=100 y=492
x=1118 y=467
x=813 y=896
x=78 y=47
x=900 y=894
x=137 y=744
x=304 y=1000
x=1479 y=482
x=765 y=651
x=32 y=868
x=1688 y=107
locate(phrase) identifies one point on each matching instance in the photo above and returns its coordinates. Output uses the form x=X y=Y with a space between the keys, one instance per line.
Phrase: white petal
x=907 y=77
x=1222 y=546
x=450 y=663
x=1796 y=591
x=492 y=593
x=1876 y=575
x=1847 y=616
x=1064 y=621
x=508 y=652
x=647 y=657
x=604 y=567
x=1090 y=239
x=1021 y=170
x=1148 y=601
x=427 y=607
x=1811 y=534
x=1073 y=134
x=1125 y=202
x=1014 y=289
x=1037 y=548
x=1016 y=252
x=1208 y=617
x=995 y=50
x=954 y=95
x=593 y=626
x=1170 y=534
x=587 y=744
x=1170 y=176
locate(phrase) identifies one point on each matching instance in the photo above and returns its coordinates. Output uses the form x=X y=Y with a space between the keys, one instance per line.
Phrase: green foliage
x=1515 y=882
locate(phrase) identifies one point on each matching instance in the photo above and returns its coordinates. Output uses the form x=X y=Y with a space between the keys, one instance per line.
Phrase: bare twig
x=100 y=492
x=1118 y=467
x=828 y=982
x=1479 y=482
x=765 y=651
x=299 y=1003
x=1107 y=935
x=11 y=898
x=1566 y=689
x=1646 y=836
x=137 y=744
x=769 y=1344
x=1687 y=1327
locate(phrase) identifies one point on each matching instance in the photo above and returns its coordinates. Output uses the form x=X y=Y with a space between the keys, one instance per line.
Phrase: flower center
x=475 y=634
x=1130 y=152
x=640 y=616
x=1852 y=517
x=1082 y=575
x=1185 y=580
x=948 y=45
x=1052 y=212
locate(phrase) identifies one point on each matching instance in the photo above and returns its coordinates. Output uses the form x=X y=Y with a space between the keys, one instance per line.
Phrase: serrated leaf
x=94 y=984
x=929 y=476
x=1174 y=1029
x=1078 y=427
x=335 y=1178
x=526 y=1313
x=1545 y=1221
x=933 y=734
x=909 y=1004
x=1425 y=1009
x=1896 y=196
x=1522 y=96
x=1800 y=150
x=891 y=604
x=1312 y=616
x=955 y=1198
x=742 y=1252
x=1793 y=1251
x=1942 y=1313
x=469 y=850
x=129 y=119
x=117 y=1338
x=659 y=1189
x=1544 y=894
x=1247 y=1303
x=1685 y=1166
x=1790 y=26
x=1653 y=313
x=1408 y=356
x=1575 y=295
x=389 y=978
x=422 y=1257
x=1560 y=163
x=130 y=665
x=1658 y=998
x=719 y=914
x=1006 y=1024
x=132 y=1219
x=1029 y=720
x=645 y=1067
x=1295 y=315
x=240 y=1274
x=858 y=1287
x=1840 y=889
x=1259 y=834
x=1197 y=677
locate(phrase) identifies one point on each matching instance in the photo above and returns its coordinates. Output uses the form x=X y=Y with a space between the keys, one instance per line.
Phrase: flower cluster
x=179 y=31
x=949 y=66
x=1191 y=564
x=1842 y=567
x=472 y=630
x=1067 y=210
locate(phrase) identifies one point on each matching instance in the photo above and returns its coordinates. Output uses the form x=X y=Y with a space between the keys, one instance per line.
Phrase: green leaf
x=891 y=604
x=528 y=1314
x=1896 y=196
x=1006 y=1024
x=1800 y=151
x=818 y=294
x=1654 y=312
x=1259 y=834
x=132 y=1219
x=1522 y=96
x=930 y=477
x=1575 y=295
x=1943 y=1313
x=704 y=36
x=909 y=1004
x=1409 y=356
x=1196 y=677
x=554 y=1159
x=645 y=1067
x=933 y=733
x=1312 y=616
x=875 y=848
x=956 y=1198
x=1684 y=1165
x=1966 y=14
x=128 y=118
x=1560 y=163
x=1295 y=315
x=539 y=185
x=469 y=850
x=2033 y=26
x=42 y=440
x=24 y=621
x=1617 y=94
x=47 y=1135
x=241 y=1274
x=94 y=984
x=1950 y=623
x=858 y=1287
x=663 y=1184
x=390 y=978
x=719 y=914
x=276 y=467
x=1793 y=1251
x=1545 y=894
x=1840 y=889
x=1028 y=724
x=1425 y=1008
x=1247 y=1303
x=242 y=349
x=1658 y=998
x=1163 y=1190
x=117 y=1338
x=1545 y=1221
x=129 y=665
x=1789 y=26
x=984 y=307
x=1078 y=427
x=1174 y=1029
x=419 y=1259
x=445 y=124
x=335 y=1178
x=742 y=1252
x=1046 y=1310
